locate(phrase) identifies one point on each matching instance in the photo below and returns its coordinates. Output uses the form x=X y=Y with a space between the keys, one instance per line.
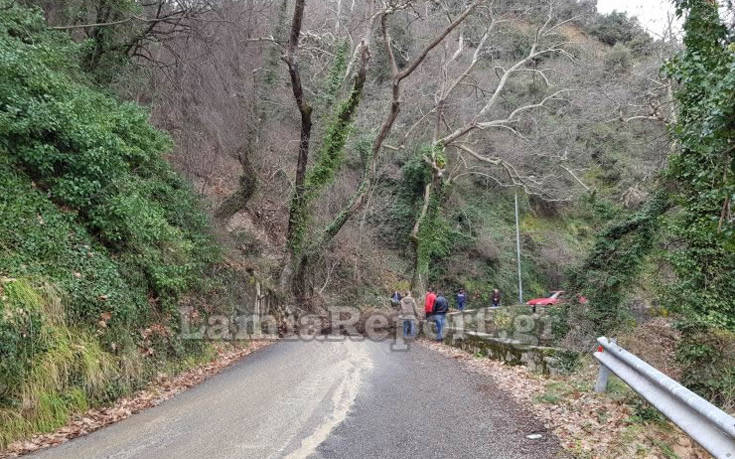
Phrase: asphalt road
x=328 y=399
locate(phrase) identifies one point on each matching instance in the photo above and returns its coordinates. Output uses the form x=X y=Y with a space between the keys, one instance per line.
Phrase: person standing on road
x=395 y=300
x=496 y=298
x=408 y=315
x=429 y=303
x=461 y=298
x=441 y=307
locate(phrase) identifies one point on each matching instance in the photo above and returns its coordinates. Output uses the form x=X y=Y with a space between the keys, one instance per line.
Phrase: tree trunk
x=327 y=162
x=418 y=279
x=433 y=195
x=305 y=136
x=295 y=213
x=103 y=13
x=299 y=285
x=237 y=200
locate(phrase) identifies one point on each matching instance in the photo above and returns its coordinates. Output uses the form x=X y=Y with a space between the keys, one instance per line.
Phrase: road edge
x=156 y=392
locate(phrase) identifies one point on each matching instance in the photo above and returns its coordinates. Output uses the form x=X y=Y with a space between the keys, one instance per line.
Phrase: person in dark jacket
x=461 y=298
x=496 y=298
x=395 y=299
x=441 y=307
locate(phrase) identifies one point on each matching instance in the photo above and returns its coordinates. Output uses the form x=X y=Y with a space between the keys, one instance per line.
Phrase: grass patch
x=55 y=370
x=549 y=398
x=665 y=449
x=556 y=391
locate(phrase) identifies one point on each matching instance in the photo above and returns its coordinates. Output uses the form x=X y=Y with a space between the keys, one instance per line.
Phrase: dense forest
x=160 y=156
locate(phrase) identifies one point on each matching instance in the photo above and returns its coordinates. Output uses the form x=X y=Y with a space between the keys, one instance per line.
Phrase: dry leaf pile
x=160 y=390
x=587 y=424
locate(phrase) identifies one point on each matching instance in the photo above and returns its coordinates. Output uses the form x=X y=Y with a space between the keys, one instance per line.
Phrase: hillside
x=228 y=144
x=101 y=242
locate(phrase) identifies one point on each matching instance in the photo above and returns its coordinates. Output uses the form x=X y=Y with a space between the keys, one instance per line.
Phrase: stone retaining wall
x=541 y=359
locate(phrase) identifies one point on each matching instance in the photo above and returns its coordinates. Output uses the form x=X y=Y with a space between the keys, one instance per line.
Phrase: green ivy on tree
x=703 y=172
x=704 y=168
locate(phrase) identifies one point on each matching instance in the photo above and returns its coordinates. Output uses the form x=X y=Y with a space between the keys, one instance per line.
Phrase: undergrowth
x=101 y=242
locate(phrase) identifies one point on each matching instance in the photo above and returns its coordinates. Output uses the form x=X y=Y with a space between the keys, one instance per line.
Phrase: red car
x=555 y=297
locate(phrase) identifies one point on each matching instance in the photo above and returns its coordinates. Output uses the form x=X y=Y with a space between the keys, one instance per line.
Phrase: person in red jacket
x=429 y=302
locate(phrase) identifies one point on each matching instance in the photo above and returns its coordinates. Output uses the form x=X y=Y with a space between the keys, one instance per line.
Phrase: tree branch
x=358 y=197
x=411 y=67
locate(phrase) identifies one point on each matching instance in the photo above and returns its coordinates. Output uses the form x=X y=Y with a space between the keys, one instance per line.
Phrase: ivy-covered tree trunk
x=420 y=269
x=294 y=220
x=328 y=161
x=611 y=266
x=308 y=184
x=423 y=228
x=422 y=233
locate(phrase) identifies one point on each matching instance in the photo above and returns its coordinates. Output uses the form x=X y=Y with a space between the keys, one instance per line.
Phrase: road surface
x=330 y=400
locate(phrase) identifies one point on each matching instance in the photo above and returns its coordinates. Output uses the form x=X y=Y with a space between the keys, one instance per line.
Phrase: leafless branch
x=574 y=176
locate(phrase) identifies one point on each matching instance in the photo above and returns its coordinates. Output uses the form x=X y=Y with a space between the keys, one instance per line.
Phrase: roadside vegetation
x=100 y=240
x=682 y=238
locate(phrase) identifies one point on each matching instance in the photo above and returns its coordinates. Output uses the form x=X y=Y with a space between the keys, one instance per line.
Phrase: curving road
x=328 y=399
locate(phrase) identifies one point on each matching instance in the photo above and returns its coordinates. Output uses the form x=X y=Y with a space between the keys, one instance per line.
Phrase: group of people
x=436 y=308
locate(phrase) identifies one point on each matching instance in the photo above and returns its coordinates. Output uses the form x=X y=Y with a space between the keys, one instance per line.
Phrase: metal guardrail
x=705 y=423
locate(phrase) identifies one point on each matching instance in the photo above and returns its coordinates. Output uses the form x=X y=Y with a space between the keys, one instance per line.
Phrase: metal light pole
x=518 y=251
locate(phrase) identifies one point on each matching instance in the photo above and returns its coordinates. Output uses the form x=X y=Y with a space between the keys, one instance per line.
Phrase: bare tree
x=358 y=198
x=114 y=29
x=544 y=41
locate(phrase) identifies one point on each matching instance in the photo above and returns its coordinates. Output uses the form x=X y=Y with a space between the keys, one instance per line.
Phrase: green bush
x=38 y=241
x=97 y=159
x=707 y=357
x=617 y=28
x=90 y=208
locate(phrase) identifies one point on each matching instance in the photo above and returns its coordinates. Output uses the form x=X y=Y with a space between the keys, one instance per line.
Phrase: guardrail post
x=602 y=376
x=601 y=384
